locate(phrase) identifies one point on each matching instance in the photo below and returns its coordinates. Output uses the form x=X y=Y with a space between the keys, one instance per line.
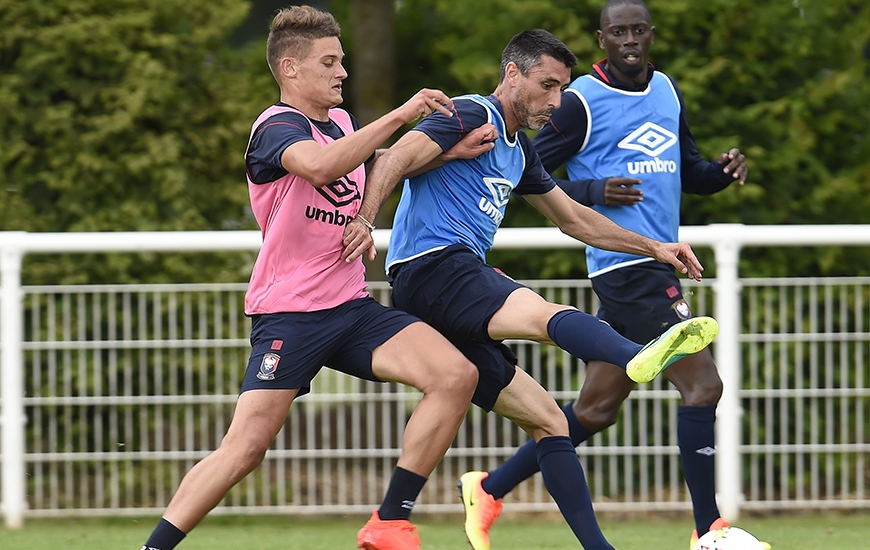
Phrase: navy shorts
x=289 y=349
x=455 y=292
x=641 y=301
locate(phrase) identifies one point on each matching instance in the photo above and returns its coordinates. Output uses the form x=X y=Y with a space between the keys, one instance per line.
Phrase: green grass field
x=512 y=532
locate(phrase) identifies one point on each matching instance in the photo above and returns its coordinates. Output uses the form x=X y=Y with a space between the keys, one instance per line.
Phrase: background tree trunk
x=373 y=71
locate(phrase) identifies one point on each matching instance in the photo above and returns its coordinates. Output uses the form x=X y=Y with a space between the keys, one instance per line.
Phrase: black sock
x=401 y=495
x=164 y=537
x=695 y=435
x=587 y=337
x=524 y=463
x=564 y=479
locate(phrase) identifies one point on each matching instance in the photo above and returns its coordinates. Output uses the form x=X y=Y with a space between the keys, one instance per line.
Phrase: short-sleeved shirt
x=464 y=201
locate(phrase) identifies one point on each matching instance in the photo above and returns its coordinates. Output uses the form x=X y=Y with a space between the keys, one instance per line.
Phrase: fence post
x=12 y=385
x=727 y=347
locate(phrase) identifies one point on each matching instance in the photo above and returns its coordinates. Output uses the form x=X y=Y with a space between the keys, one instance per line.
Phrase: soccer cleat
x=397 y=534
x=682 y=339
x=718 y=524
x=480 y=509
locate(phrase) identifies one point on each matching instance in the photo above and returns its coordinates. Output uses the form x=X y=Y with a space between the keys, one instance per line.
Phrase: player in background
x=445 y=223
x=623 y=135
x=309 y=307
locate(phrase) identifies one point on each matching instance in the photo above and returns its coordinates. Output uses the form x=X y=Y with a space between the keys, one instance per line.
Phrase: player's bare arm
x=412 y=152
x=323 y=164
x=475 y=143
x=587 y=225
x=735 y=164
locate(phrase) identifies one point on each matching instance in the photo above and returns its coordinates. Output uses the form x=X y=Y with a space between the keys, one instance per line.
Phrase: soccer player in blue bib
x=443 y=228
x=623 y=135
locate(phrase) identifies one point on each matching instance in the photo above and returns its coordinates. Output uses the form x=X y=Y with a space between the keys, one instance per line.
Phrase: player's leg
x=288 y=349
x=419 y=356
x=605 y=388
x=527 y=315
x=528 y=404
x=697 y=379
x=394 y=346
x=258 y=417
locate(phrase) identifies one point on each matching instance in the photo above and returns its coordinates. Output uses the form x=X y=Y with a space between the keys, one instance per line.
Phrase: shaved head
x=605 y=11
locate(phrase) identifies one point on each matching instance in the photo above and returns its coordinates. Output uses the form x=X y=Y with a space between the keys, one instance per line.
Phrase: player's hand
x=621 y=192
x=475 y=143
x=735 y=164
x=357 y=240
x=681 y=256
x=424 y=103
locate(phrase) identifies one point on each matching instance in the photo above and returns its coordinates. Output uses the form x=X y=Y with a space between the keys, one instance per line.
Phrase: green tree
x=787 y=82
x=122 y=115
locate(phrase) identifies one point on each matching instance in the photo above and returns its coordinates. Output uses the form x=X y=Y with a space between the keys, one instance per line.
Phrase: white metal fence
x=111 y=392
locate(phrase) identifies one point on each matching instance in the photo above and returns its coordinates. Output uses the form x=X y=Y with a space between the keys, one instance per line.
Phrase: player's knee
x=550 y=425
x=458 y=376
x=245 y=452
x=597 y=417
x=706 y=392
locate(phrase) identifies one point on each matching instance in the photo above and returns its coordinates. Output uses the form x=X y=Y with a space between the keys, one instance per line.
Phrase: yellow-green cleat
x=480 y=509
x=682 y=339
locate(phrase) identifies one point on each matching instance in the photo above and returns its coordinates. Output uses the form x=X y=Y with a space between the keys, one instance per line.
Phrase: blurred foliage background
x=122 y=116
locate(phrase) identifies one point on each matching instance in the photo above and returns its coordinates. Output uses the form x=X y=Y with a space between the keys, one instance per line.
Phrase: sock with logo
x=695 y=435
x=164 y=537
x=524 y=463
x=566 y=482
x=401 y=494
x=587 y=337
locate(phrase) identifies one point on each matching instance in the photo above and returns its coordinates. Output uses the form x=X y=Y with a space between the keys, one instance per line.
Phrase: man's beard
x=527 y=119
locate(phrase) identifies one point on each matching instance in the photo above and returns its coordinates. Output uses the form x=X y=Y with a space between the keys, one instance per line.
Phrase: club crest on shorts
x=268 y=366
x=681 y=308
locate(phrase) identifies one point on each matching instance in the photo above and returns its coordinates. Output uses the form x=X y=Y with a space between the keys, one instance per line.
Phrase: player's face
x=539 y=93
x=626 y=36
x=321 y=72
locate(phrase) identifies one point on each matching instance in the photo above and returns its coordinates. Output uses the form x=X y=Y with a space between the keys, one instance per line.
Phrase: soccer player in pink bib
x=306 y=168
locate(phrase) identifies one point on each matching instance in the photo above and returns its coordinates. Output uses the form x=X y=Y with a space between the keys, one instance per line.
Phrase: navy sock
x=164 y=537
x=564 y=478
x=587 y=337
x=521 y=466
x=695 y=435
x=401 y=495
x=524 y=463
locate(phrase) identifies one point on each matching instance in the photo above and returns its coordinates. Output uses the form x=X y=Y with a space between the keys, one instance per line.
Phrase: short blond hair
x=292 y=31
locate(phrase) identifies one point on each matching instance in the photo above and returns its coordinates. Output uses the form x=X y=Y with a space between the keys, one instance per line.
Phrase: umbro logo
x=500 y=190
x=650 y=139
x=706 y=451
x=341 y=192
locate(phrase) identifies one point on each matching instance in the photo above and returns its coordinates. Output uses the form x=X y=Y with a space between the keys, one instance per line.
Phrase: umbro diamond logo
x=706 y=451
x=650 y=139
x=500 y=189
x=341 y=192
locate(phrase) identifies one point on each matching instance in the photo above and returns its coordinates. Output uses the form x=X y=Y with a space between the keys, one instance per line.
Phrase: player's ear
x=512 y=72
x=600 y=39
x=288 y=66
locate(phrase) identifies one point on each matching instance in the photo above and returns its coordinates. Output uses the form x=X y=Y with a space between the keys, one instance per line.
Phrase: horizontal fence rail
x=109 y=393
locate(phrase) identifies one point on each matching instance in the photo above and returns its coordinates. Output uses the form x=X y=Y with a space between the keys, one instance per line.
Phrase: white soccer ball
x=728 y=538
